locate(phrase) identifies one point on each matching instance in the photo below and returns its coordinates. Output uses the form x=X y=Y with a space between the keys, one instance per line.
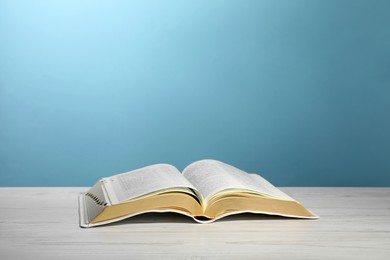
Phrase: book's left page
x=144 y=181
x=155 y=188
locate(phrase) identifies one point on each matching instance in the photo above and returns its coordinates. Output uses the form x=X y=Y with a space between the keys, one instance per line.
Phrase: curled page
x=211 y=177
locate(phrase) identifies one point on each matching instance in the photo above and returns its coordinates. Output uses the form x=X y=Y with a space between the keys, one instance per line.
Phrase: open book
x=206 y=190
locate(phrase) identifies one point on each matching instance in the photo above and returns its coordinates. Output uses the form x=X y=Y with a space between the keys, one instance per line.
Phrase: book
x=205 y=190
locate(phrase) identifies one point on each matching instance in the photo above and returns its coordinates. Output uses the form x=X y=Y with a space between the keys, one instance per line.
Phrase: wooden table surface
x=42 y=223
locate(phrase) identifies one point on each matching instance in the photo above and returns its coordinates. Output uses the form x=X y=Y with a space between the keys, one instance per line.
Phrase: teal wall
x=297 y=90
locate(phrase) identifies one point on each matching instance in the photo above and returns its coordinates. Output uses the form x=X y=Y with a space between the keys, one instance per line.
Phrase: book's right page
x=228 y=190
x=271 y=189
x=211 y=177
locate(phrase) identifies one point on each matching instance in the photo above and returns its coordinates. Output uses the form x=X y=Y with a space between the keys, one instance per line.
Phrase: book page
x=210 y=177
x=271 y=189
x=130 y=185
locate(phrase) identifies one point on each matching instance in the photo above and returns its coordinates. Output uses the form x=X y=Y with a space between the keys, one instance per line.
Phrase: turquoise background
x=298 y=91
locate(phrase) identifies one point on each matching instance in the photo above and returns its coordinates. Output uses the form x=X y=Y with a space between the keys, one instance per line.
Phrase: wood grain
x=42 y=223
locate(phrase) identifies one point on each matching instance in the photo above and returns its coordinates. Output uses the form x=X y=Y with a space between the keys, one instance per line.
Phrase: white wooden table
x=42 y=223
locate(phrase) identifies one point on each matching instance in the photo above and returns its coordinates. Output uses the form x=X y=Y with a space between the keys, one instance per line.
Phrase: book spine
x=95 y=201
